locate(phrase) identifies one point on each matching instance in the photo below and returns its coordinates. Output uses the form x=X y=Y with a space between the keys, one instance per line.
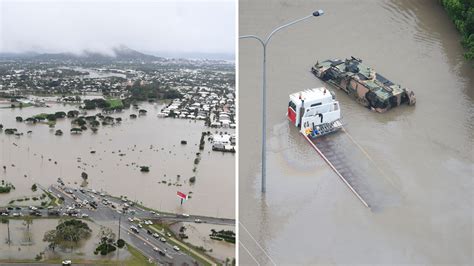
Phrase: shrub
x=120 y=243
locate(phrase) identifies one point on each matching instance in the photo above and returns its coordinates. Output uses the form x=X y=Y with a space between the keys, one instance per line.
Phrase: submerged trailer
x=316 y=113
x=368 y=87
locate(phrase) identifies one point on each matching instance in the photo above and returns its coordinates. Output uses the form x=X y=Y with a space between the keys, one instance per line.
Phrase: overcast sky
x=150 y=26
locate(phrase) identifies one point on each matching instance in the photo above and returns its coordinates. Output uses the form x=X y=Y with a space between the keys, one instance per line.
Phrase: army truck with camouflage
x=363 y=83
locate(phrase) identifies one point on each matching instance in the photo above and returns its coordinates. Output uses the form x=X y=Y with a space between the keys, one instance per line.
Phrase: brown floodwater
x=120 y=150
x=422 y=157
x=198 y=234
x=25 y=245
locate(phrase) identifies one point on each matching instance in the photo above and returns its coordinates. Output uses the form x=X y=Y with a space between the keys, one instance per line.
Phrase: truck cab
x=313 y=108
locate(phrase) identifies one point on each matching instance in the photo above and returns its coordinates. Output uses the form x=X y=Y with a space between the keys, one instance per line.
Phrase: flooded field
x=199 y=236
x=422 y=178
x=25 y=246
x=42 y=157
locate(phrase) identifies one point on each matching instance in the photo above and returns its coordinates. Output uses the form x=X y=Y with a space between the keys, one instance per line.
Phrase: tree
x=53 y=239
x=84 y=176
x=79 y=122
x=60 y=114
x=106 y=235
x=34 y=187
x=51 y=117
x=72 y=113
x=106 y=238
x=19 y=119
x=120 y=243
x=67 y=234
x=28 y=222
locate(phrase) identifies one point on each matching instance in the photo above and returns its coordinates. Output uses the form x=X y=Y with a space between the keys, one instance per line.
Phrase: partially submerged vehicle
x=315 y=112
x=363 y=83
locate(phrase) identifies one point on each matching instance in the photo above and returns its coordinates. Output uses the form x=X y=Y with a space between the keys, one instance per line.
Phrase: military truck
x=363 y=83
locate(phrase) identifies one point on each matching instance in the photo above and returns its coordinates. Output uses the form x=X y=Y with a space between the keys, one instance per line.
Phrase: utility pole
x=120 y=219
x=8 y=228
x=264 y=43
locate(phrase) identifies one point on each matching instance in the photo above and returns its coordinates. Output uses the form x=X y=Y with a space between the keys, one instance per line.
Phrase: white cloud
x=74 y=26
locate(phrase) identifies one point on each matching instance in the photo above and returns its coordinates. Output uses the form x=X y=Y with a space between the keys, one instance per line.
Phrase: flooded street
x=420 y=158
x=147 y=140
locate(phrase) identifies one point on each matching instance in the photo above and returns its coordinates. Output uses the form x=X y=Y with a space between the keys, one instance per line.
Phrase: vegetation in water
x=67 y=234
x=6 y=187
x=462 y=14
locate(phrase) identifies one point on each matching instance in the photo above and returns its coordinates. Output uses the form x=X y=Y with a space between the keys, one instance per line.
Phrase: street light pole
x=264 y=44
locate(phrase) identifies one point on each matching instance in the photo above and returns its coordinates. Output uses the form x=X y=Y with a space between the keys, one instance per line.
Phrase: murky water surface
x=147 y=140
x=423 y=154
x=199 y=236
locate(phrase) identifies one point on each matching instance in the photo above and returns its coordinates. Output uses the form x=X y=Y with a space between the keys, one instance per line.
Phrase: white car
x=198 y=221
x=185 y=215
x=130 y=219
x=155 y=235
x=140 y=225
x=176 y=248
x=67 y=262
x=156 y=249
x=163 y=239
x=84 y=215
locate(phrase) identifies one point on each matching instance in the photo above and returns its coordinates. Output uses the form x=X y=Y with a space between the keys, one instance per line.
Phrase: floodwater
x=308 y=215
x=198 y=234
x=25 y=245
x=119 y=151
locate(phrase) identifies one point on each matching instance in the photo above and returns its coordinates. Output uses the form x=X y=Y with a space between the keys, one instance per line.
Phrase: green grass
x=183 y=246
x=136 y=259
x=115 y=103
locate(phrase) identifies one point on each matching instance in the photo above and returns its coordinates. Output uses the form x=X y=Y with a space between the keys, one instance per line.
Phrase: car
x=156 y=249
x=134 y=229
x=15 y=214
x=185 y=215
x=130 y=219
x=84 y=215
x=168 y=234
x=4 y=214
x=155 y=235
x=163 y=239
x=66 y=262
x=176 y=248
x=161 y=252
x=198 y=221
x=152 y=212
x=140 y=225
x=149 y=232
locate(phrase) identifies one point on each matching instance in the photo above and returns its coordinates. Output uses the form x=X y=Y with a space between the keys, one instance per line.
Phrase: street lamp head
x=318 y=13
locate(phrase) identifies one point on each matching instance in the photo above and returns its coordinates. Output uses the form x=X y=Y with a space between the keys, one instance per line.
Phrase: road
x=111 y=213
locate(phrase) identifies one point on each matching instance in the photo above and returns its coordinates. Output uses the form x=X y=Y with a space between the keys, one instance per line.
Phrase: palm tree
x=28 y=222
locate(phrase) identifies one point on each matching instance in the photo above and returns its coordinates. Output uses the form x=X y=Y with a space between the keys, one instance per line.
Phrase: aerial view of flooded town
x=117 y=158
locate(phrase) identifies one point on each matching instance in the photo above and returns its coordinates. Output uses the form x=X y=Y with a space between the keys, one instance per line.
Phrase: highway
x=109 y=211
